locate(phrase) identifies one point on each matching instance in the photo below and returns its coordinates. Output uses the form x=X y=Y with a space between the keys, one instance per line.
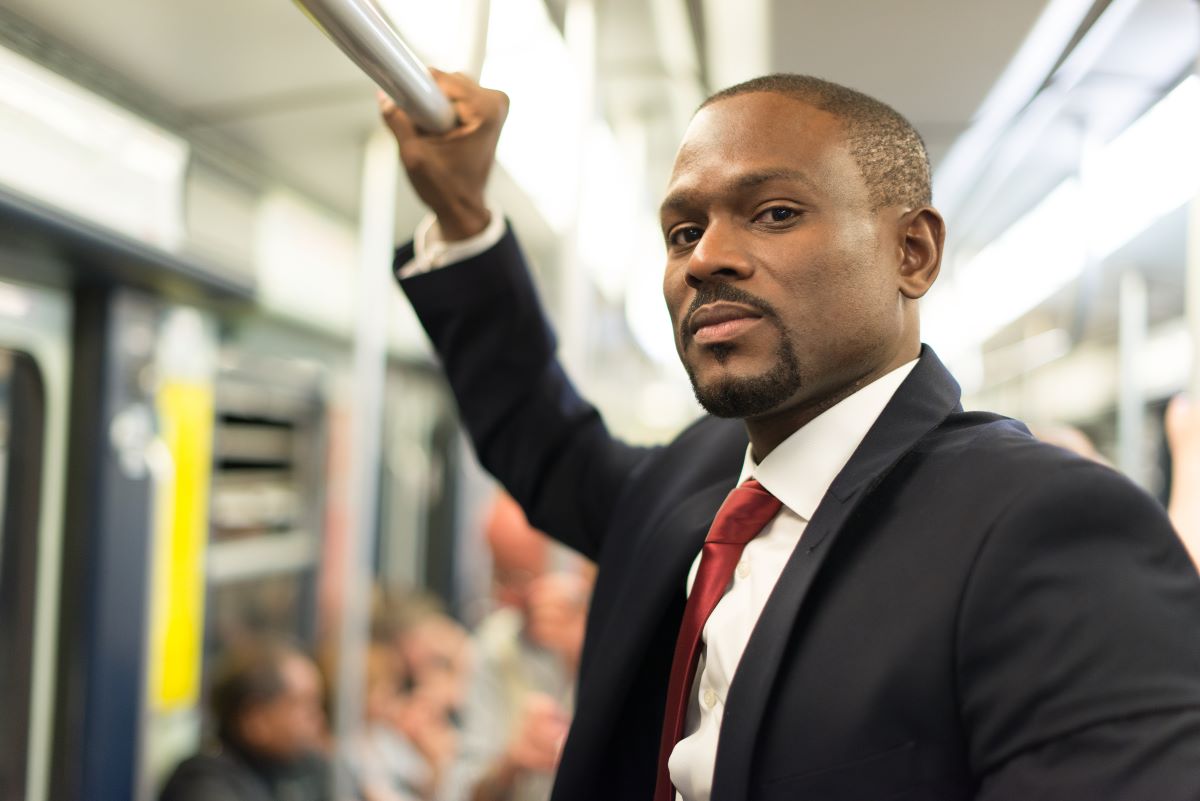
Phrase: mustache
x=713 y=292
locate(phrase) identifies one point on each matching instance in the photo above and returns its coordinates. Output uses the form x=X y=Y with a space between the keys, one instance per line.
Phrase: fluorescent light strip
x=1147 y=171
x=86 y=155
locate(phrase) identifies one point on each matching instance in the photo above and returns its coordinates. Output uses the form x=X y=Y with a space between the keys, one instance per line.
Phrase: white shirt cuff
x=432 y=252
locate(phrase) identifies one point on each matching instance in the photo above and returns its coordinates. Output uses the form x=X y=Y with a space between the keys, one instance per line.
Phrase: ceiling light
x=85 y=155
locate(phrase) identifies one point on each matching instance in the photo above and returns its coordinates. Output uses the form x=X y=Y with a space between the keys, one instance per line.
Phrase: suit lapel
x=654 y=583
x=921 y=403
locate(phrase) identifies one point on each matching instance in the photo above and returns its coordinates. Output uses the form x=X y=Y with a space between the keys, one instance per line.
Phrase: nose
x=719 y=255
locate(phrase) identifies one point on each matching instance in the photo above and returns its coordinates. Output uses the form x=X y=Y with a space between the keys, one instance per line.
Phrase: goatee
x=752 y=396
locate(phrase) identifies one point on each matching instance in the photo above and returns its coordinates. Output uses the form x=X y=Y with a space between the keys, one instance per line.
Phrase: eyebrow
x=687 y=199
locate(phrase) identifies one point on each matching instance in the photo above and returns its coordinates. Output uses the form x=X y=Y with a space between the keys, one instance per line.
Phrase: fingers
x=472 y=103
x=400 y=124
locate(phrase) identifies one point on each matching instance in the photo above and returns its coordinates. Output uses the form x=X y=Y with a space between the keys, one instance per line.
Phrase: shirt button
x=743 y=569
x=709 y=699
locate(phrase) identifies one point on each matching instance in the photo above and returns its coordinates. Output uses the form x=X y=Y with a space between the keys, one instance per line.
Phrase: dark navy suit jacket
x=971 y=614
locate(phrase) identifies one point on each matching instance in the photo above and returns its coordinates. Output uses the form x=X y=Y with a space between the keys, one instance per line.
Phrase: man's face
x=291 y=724
x=781 y=279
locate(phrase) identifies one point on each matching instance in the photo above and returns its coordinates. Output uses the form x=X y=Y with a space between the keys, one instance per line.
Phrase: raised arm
x=529 y=426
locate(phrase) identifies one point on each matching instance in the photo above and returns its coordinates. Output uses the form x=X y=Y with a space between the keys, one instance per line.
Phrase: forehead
x=764 y=132
x=299 y=675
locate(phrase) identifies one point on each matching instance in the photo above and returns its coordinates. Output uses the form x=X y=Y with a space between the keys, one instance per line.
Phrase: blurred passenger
x=519 y=701
x=1182 y=425
x=266 y=701
x=387 y=762
x=427 y=654
x=433 y=648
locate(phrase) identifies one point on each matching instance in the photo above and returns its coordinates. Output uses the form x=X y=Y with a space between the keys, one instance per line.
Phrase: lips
x=721 y=321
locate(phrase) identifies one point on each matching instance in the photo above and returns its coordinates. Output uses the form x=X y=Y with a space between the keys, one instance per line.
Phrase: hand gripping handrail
x=362 y=31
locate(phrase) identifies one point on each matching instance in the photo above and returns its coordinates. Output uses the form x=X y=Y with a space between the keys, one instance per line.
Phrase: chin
x=747 y=395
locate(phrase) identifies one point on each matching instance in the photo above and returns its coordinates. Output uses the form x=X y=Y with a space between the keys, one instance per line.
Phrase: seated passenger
x=266 y=701
x=527 y=654
x=389 y=760
x=416 y=671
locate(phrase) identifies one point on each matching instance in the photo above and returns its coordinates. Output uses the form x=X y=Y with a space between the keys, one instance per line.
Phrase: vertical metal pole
x=579 y=30
x=1131 y=402
x=1191 y=288
x=1192 y=277
x=376 y=239
x=478 y=13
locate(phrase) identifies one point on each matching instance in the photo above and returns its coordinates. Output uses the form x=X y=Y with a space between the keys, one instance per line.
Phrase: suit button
x=709 y=699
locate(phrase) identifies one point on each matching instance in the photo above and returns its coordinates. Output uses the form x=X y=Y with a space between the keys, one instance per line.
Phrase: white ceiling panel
x=199 y=53
x=933 y=61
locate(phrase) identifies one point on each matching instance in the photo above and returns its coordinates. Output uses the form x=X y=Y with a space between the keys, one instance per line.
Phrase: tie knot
x=746 y=510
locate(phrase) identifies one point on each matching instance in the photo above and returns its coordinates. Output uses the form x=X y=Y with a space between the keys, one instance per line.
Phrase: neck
x=767 y=431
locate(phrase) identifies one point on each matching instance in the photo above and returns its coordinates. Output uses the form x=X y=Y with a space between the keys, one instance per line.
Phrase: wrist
x=463 y=220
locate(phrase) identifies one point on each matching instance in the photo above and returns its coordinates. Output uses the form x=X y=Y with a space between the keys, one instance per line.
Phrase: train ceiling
x=255 y=79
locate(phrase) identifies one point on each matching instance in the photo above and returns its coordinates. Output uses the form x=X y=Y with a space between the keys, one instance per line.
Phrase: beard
x=751 y=396
x=754 y=395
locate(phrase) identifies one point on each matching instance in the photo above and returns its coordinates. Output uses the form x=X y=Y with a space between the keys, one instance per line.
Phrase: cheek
x=673 y=291
x=835 y=296
x=676 y=296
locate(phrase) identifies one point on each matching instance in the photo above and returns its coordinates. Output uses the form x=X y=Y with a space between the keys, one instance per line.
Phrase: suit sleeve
x=530 y=428
x=1075 y=682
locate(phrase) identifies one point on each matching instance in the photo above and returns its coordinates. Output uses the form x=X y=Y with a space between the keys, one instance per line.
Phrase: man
x=526 y=657
x=266 y=702
x=931 y=604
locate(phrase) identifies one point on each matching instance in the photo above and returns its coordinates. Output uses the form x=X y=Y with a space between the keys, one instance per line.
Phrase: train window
x=22 y=413
x=266 y=505
x=246 y=610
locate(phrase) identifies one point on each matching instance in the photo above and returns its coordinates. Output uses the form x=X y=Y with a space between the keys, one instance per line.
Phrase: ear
x=923 y=233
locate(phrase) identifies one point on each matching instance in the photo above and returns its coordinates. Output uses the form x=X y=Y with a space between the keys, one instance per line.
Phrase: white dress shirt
x=797 y=472
x=431 y=251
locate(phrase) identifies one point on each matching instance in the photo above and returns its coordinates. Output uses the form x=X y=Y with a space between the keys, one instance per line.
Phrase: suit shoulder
x=1005 y=449
x=1012 y=474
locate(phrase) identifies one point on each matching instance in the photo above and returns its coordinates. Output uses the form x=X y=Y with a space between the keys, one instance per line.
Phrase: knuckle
x=413 y=161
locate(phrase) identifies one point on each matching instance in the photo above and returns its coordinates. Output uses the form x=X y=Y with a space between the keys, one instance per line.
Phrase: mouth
x=721 y=321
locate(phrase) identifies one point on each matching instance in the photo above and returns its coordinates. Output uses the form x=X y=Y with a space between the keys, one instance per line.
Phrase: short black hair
x=887 y=148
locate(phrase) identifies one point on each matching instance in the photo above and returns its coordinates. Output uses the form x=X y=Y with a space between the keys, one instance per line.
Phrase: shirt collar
x=801 y=468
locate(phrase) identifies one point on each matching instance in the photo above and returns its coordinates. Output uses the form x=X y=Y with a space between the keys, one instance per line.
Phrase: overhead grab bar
x=363 y=32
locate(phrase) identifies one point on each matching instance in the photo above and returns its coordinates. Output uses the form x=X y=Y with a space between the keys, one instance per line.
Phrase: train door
x=34 y=370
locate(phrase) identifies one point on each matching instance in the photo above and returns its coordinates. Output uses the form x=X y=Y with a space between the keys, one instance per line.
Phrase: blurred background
x=221 y=424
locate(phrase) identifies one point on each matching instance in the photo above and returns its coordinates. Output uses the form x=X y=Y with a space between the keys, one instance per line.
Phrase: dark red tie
x=745 y=512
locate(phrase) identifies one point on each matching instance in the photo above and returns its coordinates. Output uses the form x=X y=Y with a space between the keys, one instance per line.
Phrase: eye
x=684 y=235
x=776 y=214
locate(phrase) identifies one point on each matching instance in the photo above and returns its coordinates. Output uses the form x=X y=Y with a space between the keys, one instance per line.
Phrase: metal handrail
x=363 y=32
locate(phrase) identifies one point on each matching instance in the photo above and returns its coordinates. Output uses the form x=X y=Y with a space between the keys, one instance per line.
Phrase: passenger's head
x=430 y=648
x=384 y=680
x=266 y=699
x=798 y=225
x=520 y=553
